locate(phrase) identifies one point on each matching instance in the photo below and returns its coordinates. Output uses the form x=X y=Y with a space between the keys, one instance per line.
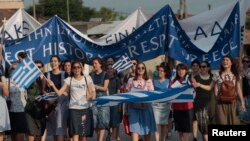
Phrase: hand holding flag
x=25 y=73
x=122 y=64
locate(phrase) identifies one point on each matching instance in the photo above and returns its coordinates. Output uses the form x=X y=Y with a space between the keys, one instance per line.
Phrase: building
x=9 y=7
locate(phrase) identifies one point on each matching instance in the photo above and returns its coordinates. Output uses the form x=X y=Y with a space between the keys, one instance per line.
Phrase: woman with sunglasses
x=245 y=116
x=202 y=99
x=226 y=113
x=81 y=91
x=141 y=115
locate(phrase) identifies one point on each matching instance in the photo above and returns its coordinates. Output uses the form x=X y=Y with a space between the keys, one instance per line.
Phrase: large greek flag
x=25 y=73
x=182 y=94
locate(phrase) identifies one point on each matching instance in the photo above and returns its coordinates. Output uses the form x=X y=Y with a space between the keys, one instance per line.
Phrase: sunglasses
x=245 y=61
x=134 y=64
x=76 y=67
x=203 y=66
x=141 y=68
x=39 y=67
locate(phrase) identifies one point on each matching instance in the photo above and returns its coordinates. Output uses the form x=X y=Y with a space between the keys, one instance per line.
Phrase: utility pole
x=184 y=9
x=34 y=9
x=68 y=11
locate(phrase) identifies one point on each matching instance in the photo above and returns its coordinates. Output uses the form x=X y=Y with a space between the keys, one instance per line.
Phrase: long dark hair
x=233 y=67
x=145 y=75
x=180 y=67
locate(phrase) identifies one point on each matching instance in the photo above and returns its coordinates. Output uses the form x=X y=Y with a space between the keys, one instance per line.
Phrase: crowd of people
x=73 y=117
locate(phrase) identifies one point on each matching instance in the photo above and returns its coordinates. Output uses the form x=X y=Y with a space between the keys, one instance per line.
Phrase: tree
x=59 y=7
x=248 y=22
x=107 y=14
x=78 y=12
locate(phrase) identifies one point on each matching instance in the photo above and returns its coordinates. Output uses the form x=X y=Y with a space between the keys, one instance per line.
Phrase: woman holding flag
x=81 y=91
x=141 y=116
x=182 y=111
x=57 y=118
x=18 y=97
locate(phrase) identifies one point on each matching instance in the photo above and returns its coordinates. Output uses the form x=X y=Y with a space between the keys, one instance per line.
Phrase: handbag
x=126 y=124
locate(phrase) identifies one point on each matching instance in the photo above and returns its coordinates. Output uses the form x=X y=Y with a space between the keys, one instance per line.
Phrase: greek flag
x=47 y=97
x=182 y=94
x=25 y=73
x=122 y=64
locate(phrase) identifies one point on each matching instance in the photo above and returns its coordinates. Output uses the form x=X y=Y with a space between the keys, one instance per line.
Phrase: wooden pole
x=2 y=39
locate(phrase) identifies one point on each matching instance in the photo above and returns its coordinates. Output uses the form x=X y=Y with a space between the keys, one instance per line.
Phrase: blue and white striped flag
x=25 y=73
x=122 y=64
x=182 y=94
x=47 y=97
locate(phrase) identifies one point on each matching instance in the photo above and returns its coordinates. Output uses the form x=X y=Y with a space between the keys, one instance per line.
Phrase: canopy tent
x=124 y=28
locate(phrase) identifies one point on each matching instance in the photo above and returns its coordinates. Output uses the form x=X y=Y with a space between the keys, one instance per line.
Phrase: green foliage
x=248 y=22
x=77 y=11
x=106 y=14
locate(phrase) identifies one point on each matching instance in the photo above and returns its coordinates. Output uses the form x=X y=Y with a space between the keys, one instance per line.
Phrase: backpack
x=227 y=91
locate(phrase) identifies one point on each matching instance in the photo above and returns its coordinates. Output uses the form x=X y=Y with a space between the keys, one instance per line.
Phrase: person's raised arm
x=58 y=92
x=202 y=86
x=91 y=91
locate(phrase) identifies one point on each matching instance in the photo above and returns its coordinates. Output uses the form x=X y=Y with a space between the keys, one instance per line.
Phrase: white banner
x=19 y=25
x=203 y=29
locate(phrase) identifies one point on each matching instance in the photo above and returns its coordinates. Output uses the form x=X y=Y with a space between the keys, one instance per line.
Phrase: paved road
x=125 y=137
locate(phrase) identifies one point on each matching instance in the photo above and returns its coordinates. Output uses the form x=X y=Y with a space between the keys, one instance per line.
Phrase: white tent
x=123 y=29
x=19 y=25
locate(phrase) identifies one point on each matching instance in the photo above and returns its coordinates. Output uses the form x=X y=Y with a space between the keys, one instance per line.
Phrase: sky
x=126 y=7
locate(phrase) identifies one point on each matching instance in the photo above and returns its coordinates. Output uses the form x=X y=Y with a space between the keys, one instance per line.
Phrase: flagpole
x=2 y=39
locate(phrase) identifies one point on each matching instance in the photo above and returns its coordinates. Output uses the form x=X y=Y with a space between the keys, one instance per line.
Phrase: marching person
x=245 y=116
x=18 y=101
x=195 y=67
x=101 y=82
x=202 y=99
x=36 y=121
x=161 y=109
x=182 y=111
x=57 y=119
x=115 y=111
x=81 y=91
x=4 y=113
x=141 y=116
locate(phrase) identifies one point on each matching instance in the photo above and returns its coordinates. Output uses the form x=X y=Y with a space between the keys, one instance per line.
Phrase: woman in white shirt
x=81 y=91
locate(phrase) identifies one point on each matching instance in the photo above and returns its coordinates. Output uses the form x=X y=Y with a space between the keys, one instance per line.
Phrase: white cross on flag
x=122 y=64
x=25 y=73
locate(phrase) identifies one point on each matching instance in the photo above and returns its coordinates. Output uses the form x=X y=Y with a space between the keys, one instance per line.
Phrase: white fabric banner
x=19 y=25
x=203 y=29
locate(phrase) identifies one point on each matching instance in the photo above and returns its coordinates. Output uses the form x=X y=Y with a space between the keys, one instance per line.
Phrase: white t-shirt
x=78 y=92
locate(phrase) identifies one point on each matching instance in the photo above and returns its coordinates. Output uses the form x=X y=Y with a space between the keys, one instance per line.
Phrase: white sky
x=126 y=7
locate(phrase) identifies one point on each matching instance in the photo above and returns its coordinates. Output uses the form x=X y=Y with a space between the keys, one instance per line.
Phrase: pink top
x=135 y=85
